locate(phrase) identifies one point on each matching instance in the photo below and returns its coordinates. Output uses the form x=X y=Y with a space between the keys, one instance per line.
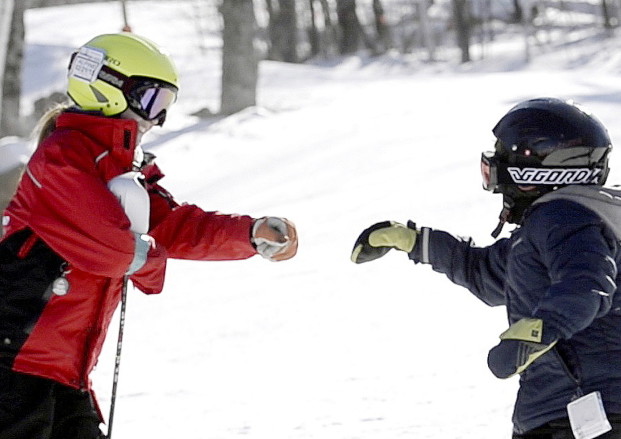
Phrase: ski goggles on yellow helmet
x=149 y=98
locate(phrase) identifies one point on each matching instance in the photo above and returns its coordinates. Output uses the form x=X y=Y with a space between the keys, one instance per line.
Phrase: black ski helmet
x=541 y=145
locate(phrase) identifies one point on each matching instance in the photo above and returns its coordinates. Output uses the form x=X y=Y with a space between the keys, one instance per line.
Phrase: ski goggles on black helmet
x=489 y=171
x=149 y=98
x=535 y=172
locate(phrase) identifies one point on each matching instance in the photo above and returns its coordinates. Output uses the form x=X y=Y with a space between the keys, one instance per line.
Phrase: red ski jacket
x=64 y=222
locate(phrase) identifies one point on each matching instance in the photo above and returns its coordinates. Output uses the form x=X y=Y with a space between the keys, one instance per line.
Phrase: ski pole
x=117 y=359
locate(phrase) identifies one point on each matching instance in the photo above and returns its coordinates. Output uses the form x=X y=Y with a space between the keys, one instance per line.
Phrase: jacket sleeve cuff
x=140 y=254
x=420 y=252
x=553 y=329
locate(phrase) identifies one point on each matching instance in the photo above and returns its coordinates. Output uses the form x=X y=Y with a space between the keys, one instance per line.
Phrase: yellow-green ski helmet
x=115 y=71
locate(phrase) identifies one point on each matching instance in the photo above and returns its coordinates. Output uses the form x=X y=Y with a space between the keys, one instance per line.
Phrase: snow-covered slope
x=317 y=347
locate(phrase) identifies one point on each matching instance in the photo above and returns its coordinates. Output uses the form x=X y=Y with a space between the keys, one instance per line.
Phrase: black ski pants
x=561 y=429
x=37 y=408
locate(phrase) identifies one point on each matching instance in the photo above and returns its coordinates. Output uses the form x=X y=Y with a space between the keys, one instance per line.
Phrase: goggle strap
x=119 y=80
x=114 y=78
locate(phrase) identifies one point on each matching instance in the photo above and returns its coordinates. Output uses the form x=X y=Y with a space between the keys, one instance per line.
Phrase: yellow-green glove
x=520 y=345
x=378 y=239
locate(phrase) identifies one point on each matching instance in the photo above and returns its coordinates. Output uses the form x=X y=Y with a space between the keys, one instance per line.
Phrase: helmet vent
x=98 y=95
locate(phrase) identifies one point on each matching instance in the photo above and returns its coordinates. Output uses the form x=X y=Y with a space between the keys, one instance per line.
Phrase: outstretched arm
x=481 y=270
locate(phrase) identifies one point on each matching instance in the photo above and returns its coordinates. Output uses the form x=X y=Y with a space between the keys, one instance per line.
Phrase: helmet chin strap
x=507 y=205
x=514 y=207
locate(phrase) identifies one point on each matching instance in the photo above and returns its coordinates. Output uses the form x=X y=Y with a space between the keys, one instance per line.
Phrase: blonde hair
x=47 y=122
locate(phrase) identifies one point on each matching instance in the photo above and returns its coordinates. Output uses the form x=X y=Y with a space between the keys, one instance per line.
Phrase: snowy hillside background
x=318 y=347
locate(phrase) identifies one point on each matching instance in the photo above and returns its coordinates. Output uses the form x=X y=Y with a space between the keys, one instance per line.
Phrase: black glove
x=520 y=345
x=378 y=239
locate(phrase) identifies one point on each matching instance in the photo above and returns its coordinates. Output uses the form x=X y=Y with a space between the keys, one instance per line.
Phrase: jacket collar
x=605 y=201
x=116 y=136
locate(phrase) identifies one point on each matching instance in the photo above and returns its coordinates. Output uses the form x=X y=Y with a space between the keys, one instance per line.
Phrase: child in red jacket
x=89 y=214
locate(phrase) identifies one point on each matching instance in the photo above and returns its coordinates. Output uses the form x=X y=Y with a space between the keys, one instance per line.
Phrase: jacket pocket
x=568 y=358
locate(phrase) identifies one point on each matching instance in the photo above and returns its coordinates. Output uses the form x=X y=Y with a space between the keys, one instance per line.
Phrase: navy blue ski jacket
x=560 y=266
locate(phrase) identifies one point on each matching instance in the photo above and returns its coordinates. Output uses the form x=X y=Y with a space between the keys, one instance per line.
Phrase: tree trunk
x=527 y=26
x=606 y=13
x=462 y=27
x=283 y=26
x=313 y=33
x=426 y=30
x=517 y=11
x=349 y=25
x=6 y=16
x=329 y=39
x=381 y=27
x=240 y=64
x=11 y=80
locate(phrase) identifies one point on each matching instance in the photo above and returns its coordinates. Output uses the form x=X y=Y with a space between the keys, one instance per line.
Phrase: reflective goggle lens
x=488 y=171
x=155 y=100
x=151 y=101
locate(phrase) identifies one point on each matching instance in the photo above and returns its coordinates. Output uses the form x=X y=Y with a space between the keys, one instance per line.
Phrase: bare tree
x=11 y=80
x=425 y=27
x=462 y=27
x=517 y=11
x=6 y=16
x=240 y=63
x=349 y=26
x=610 y=17
x=283 y=30
x=322 y=42
x=313 y=36
x=381 y=27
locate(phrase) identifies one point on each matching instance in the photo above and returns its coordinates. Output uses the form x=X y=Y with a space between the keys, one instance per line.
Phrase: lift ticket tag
x=87 y=64
x=587 y=416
